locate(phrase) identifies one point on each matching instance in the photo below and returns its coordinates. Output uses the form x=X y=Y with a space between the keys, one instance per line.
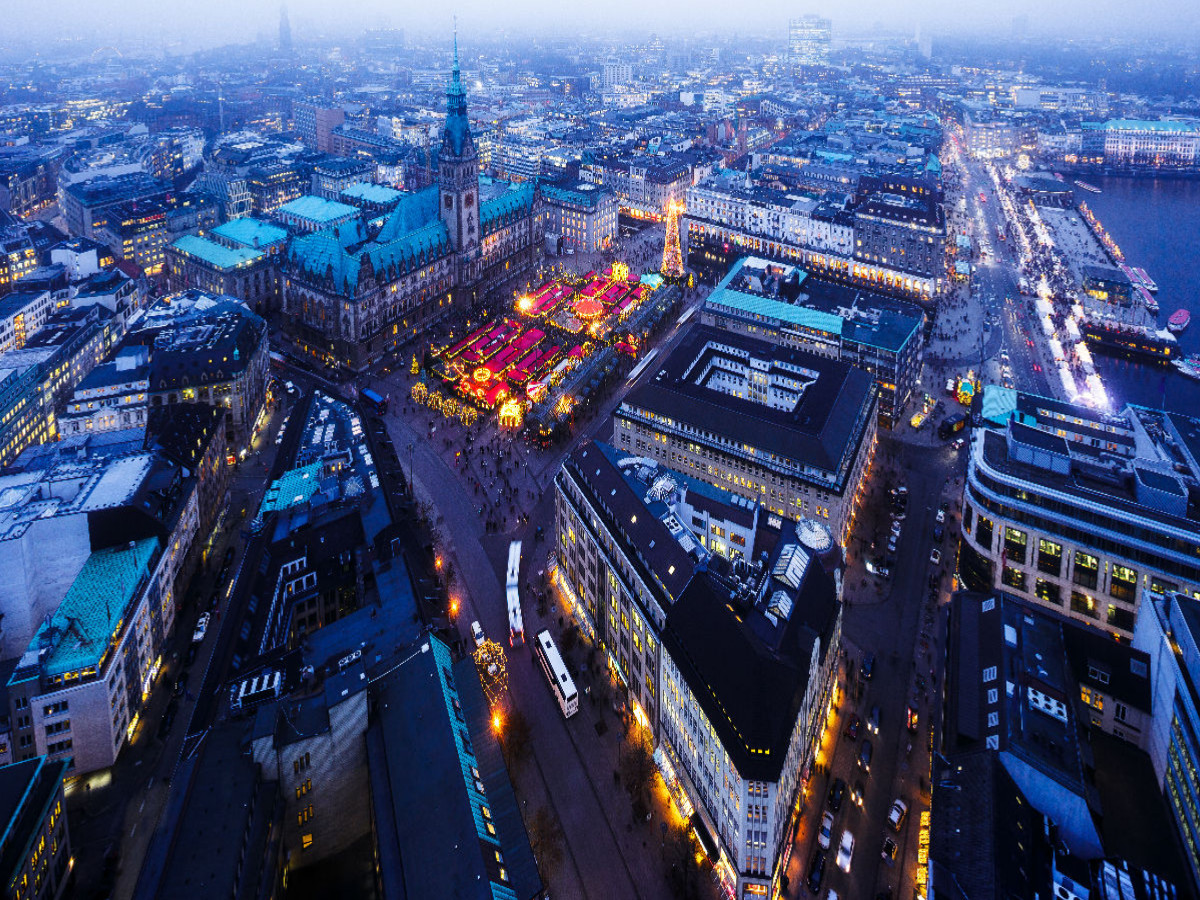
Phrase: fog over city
x=195 y=23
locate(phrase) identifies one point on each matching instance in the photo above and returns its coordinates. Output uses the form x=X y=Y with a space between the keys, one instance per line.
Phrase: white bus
x=557 y=675
x=516 y=622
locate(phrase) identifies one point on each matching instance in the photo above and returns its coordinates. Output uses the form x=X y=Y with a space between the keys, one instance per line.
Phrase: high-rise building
x=808 y=40
x=285 y=30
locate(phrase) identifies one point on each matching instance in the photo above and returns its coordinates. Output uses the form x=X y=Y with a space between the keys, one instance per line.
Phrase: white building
x=21 y=314
x=112 y=397
x=652 y=563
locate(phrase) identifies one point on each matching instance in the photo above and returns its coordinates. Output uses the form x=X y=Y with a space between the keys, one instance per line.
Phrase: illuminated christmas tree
x=672 y=261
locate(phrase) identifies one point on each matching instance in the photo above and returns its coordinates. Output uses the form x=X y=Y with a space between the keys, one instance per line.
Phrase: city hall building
x=357 y=290
x=1080 y=511
x=785 y=427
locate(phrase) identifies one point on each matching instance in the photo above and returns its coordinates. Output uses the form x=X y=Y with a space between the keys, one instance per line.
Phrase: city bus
x=376 y=403
x=516 y=622
x=557 y=675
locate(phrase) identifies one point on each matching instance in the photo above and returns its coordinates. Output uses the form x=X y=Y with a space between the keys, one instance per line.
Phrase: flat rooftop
x=317 y=209
x=250 y=232
x=820 y=430
x=216 y=255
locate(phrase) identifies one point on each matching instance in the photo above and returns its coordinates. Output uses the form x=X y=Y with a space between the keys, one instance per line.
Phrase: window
x=1091 y=698
x=1120 y=712
x=305 y=814
x=983 y=533
x=303 y=789
x=1013 y=578
x=301 y=763
x=1048 y=592
x=1082 y=603
x=1014 y=544
x=993 y=695
x=1049 y=557
x=1087 y=570
x=989 y=674
x=306 y=841
x=1123 y=584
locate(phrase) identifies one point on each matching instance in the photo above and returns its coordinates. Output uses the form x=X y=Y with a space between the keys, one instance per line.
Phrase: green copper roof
x=89 y=619
x=371 y=193
x=776 y=309
x=250 y=232
x=292 y=488
x=215 y=254
x=509 y=203
x=322 y=253
x=415 y=210
x=318 y=209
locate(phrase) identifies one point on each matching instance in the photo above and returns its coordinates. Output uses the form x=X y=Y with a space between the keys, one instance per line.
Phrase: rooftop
x=215 y=254
x=80 y=633
x=379 y=194
x=815 y=417
x=250 y=232
x=26 y=789
x=318 y=209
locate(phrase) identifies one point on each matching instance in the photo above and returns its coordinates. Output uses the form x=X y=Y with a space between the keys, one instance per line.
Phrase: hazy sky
x=222 y=21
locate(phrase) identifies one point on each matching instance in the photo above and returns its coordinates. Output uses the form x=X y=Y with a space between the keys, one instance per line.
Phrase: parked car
x=816 y=871
x=845 y=851
x=201 y=628
x=889 y=851
x=939 y=532
x=852 y=727
x=873 y=720
x=935 y=557
x=837 y=791
x=940 y=518
x=825 y=835
x=477 y=633
x=181 y=683
x=910 y=719
x=891 y=544
x=896 y=814
x=867 y=668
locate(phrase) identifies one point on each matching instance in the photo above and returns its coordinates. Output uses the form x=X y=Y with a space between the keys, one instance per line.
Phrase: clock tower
x=458 y=173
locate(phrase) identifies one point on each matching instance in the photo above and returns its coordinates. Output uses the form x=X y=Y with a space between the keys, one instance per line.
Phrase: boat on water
x=1147 y=300
x=1119 y=338
x=1091 y=188
x=1189 y=366
x=1180 y=319
x=1145 y=279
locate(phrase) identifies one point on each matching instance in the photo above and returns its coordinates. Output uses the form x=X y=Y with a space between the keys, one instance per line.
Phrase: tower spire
x=456 y=70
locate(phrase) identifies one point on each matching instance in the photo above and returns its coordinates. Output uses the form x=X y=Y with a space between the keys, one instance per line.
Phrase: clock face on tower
x=469 y=200
x=449 y=201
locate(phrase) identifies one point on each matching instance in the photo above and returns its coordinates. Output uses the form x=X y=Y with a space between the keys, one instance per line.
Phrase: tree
x=637 y=769
x=515 y=739
x=685 y=868
x=546 y=841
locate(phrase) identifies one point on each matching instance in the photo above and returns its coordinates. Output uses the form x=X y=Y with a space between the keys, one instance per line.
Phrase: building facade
x=776 y=303
x=787 y=428
x=583 y=216
x=35 y=843
x=1079 y=511
x=648 y=559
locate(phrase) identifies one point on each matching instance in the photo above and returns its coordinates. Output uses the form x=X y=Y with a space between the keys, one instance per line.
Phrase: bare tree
x=546 y=841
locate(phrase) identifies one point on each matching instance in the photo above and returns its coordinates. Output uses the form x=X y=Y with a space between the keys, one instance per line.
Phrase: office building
x=782 y=305
x=581 y=215
x=86 y=204
x=645 y=186
x=314 y=123
x=35 y=845
x=90 y=666
x=1168 y=630
x=785 y=427
x=1080 y=511
x=334 y=174
x=21 y=314
x=431 y=745
x=809 y=38
x=721 y=623
x=18 y=253
x=242 y=272
x=207 y=349
x=1158 y=144
x=112 y=397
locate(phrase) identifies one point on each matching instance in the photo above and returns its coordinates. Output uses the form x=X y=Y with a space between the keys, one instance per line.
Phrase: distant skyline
x=203 y=23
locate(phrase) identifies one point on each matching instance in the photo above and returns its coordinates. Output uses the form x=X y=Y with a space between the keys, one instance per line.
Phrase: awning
x=711 y=850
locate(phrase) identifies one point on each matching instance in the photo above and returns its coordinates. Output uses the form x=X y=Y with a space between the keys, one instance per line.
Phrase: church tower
x=458 y=170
